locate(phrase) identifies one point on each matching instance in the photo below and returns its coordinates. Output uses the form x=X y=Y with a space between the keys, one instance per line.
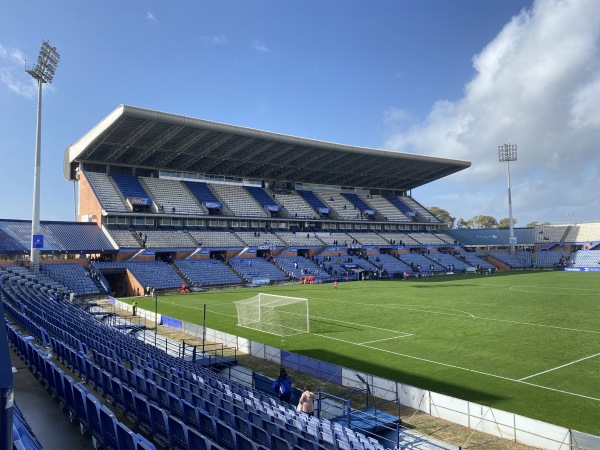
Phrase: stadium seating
x=387 y=210
x=550 y=233
x=295 y=205
x=401 y=239
x=265 y=200
x=360 y=204
x=73 y=276
x=586 y=258
x=157 y=274
x=203 y=194
x=584 y=232
x=172 y=197
x=368 y=238
x=417 y=260
x=551 y=258
x=341 y=206
x=207 y=272
x=391 y=264
x=129 y=186
x=299 y=239
x=315 y=202
x=253 y=268
x=106 y=192
x=260 y=238
x=238 y=200
x=519 y=260
x=217 y=239
x=423 y=212
x=300 y=266
x=63 y=237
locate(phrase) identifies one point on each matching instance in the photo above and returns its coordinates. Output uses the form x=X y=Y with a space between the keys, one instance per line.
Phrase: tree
x=505 y=223
x=533 y=224
x=443 y=215
x=462 y=223
x=483 y=222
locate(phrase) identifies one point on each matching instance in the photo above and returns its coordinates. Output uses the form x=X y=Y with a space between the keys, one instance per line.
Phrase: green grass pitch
x=524 y=342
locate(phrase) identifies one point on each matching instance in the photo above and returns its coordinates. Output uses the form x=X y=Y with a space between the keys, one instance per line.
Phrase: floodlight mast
x=42 y=72
x=508 y=153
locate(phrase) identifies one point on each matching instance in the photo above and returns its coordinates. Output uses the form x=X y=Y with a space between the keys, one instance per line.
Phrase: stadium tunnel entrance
x=118 y=280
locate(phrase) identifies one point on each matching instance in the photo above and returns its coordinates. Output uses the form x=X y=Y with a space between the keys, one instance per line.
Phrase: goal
x=274 y=314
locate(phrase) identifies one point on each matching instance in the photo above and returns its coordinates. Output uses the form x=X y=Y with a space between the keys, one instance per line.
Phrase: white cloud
x=12 y=72
x=260 y=47
x=151 y=18
x=215 y=40
x=537 y=84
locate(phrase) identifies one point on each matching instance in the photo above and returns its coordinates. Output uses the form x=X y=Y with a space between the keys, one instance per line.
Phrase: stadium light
x=508 y=153
x=43 y=72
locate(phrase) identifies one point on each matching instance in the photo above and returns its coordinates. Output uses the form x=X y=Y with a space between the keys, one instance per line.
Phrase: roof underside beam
x=129 y=141
x=206 y=149
x=230 y=151
x=156 y=144
x=234 y=166
x=181 y=148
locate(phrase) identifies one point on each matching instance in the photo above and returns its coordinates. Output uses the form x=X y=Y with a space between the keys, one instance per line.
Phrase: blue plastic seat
x=178 y=434
x=207 y=424
x=126 y=438
x=69 y=399
x=117 y=394
x=197 y=441
x=244 y=443
x=260 y=436
x=142 y=412
x=190 y=415
x=129 y=403
x=225 y=435
x=93 y=417
x=162 y=398
x=80 y=394
x=144 y=444
x=160 y=425
x=108 y=424
x=278 y=443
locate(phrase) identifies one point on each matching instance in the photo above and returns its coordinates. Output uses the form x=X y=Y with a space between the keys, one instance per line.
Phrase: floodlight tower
x=508 y=153
x=42 y=72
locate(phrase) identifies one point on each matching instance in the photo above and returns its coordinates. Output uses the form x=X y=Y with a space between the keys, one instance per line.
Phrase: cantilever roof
x=140 y=137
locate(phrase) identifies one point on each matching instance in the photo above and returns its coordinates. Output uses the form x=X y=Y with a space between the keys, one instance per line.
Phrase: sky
x=453 y=79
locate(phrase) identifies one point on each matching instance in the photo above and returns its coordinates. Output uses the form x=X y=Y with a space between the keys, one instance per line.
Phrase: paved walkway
x=50 y=424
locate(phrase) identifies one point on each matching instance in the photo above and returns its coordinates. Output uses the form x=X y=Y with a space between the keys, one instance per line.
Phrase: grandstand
x=216 y=205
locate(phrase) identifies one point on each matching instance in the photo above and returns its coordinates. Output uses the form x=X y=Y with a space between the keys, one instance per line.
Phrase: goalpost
x=274 y=314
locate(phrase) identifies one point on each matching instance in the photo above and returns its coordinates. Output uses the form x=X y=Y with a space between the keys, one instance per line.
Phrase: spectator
x=307 y=402
x=134 y=308
x=283 y=386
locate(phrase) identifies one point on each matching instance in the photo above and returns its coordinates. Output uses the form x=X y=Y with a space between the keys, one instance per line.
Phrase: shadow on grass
x=423 y=382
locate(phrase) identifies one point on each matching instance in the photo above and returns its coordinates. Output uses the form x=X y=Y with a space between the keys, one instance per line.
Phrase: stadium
x=305 y=254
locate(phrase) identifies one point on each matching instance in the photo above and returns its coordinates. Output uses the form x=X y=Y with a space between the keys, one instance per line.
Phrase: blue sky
x=435 y=77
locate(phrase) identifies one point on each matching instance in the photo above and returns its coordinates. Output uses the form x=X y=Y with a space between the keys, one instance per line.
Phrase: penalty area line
x=385 y=339
x=559 y=367
x=479 y=372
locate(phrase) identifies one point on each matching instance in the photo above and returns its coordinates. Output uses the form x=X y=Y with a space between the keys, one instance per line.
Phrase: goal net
x=274 y=314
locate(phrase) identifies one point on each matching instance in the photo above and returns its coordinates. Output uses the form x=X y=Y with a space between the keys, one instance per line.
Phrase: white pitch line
x=471 y=316
x=356 y=324
x=386 y=339
x=559 y=367
x=574 y=394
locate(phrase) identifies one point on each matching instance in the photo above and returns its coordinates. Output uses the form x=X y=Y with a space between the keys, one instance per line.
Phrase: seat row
x=81 y=405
